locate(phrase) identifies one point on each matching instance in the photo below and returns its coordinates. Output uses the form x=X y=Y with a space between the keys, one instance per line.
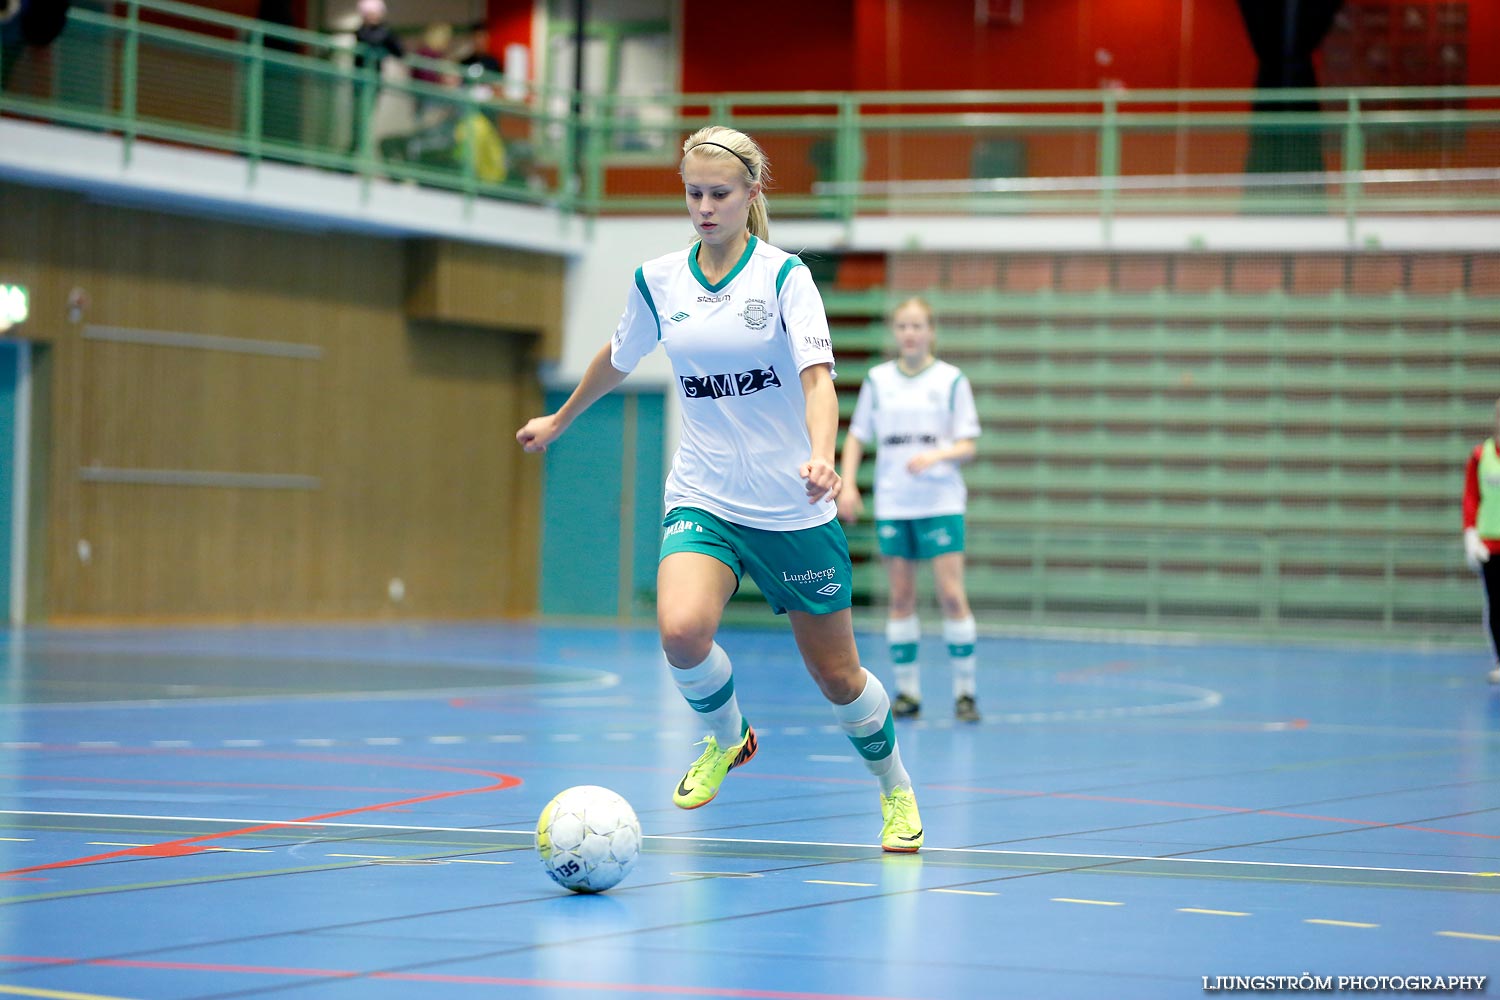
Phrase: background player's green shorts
x=921 y=537
x=804 y=570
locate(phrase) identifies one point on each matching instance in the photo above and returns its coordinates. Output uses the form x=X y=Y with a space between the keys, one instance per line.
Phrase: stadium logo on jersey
x=679 y=317
x=714 y=298
x=890 y=440
x=729 y=384
x=755 y=315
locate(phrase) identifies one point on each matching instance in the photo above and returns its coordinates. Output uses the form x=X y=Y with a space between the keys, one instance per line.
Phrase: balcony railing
x=167 y=72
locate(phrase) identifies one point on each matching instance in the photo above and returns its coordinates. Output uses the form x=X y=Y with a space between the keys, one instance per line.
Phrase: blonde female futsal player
x=753 y=484
x=920 y=413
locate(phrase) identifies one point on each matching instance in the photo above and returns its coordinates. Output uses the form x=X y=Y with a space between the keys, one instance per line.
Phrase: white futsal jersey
x=909 y=414
x=737 y=348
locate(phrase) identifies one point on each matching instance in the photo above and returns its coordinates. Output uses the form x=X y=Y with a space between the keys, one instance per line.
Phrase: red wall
x=936 y=45
x=510 y=24
x=768 y=45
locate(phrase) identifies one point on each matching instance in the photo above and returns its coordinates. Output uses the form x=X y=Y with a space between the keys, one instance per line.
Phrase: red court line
x=189 y=845
x=438 y=977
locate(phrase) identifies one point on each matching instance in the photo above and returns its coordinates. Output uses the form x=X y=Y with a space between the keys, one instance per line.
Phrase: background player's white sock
x=960 y=634
x=902 y=636
x=867 y=720
x=709 y=690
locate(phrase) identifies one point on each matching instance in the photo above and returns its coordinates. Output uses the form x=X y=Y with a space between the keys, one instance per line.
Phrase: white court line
x=249 y=821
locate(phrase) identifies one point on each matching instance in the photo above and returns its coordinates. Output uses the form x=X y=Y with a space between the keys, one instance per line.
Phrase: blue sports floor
x=347 y=813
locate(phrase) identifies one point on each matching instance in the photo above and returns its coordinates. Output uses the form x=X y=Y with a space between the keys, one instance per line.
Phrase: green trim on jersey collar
x=733 y=272
x=931 y=360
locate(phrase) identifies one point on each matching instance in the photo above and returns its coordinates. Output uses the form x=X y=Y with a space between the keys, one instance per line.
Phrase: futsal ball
x=588 y=838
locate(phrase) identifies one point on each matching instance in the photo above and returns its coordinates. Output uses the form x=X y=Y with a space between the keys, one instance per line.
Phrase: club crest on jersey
x=729 y=384
x=755 y=315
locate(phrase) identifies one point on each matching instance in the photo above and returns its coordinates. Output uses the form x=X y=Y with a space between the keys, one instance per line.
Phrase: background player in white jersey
x=753 y=484
x=920 y=414
x=1481 y=513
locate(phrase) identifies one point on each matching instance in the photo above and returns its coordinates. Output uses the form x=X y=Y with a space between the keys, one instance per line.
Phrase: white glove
x=1476 y=553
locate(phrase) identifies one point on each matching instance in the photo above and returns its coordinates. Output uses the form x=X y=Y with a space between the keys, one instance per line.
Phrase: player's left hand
x=922 y=462
x=822 y=479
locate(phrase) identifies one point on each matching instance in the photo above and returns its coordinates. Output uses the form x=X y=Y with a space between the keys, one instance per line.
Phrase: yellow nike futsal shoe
x=902 y=833
x=701 y=783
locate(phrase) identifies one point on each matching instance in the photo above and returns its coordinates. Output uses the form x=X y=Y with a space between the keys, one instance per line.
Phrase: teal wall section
x=601 y=508
x=9 y=357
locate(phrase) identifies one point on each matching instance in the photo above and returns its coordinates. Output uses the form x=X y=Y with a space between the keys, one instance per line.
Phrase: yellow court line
x=475 y=861
x=17 y=840
x=966 y=892
x=821 y=881
x=1213 y=913
x=26 y=991
x=106 y=843
x=1472 y=937
x=1338 y=923
x=1090 y=902
x=372 y=857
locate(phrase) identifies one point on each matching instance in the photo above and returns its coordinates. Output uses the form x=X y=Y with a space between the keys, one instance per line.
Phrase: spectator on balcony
x=919 y=412
x=480 y=60
x=437 y=45
x=375 y=41
x=1481 y=513
x=375 y=35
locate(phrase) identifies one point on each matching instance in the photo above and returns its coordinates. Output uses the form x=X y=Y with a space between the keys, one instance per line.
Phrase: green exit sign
x=14 y=305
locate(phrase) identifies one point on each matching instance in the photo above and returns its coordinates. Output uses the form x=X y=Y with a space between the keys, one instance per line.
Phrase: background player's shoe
x=902 y=833
x=906 y=707
x=1494 y=676
x=965 y=709
x=701 y=783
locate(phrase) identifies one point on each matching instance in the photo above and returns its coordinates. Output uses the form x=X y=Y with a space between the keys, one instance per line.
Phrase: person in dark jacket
x=376 y=40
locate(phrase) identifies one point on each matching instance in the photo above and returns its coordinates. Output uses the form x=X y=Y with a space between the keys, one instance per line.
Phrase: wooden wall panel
x=496 y=289
x=397 y=433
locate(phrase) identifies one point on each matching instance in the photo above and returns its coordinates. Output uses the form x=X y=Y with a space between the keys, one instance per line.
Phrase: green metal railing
x=169 y=72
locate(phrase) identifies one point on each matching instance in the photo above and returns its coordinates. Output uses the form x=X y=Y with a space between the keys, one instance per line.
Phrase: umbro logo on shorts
x=830 y=589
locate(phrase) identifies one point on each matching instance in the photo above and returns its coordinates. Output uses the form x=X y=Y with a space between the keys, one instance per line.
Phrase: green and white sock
x=960 y=634
x=867 y=722
x=709 y=690
x=902 y=636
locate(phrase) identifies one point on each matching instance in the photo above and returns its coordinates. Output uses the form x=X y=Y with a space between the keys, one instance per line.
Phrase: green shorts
x=921 y=537
x=804 y=570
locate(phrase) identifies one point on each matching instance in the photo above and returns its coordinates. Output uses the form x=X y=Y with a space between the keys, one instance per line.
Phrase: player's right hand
x=539 y=432
x=1476 y=553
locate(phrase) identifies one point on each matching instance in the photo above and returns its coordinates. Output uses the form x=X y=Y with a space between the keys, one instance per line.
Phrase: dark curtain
x=281 y=110
x=1285 y=34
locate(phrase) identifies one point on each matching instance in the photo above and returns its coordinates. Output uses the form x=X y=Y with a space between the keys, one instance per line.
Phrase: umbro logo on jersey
x=679 y=317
